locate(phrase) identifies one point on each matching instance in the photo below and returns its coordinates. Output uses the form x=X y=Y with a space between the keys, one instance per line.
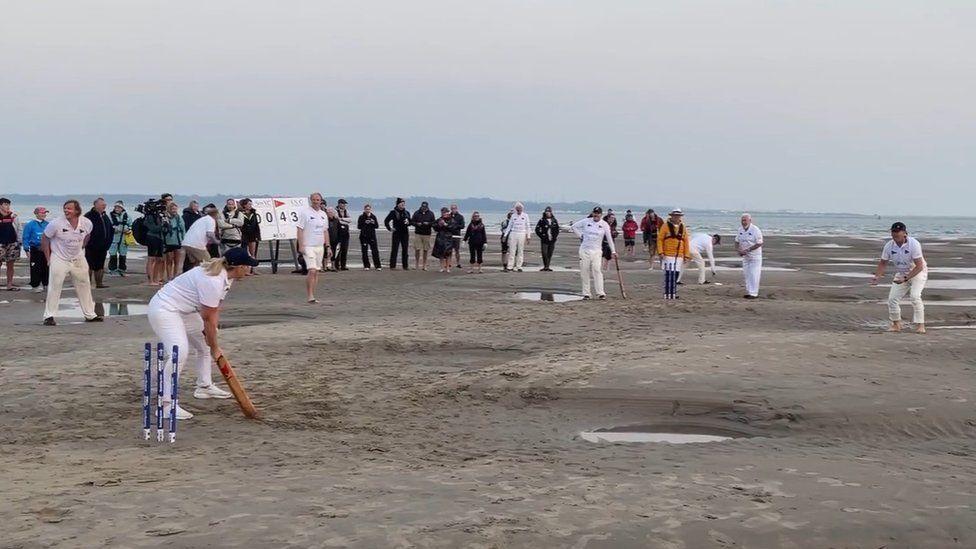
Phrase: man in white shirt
x=517 y=233
x=64 y=244
x=592 y=232
x=906 y=254
x=313 y=241
x=749 y=244
x=703 y=244
x=201 y=233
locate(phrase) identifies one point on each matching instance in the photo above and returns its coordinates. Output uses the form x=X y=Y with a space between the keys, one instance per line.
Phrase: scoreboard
x=279 y=216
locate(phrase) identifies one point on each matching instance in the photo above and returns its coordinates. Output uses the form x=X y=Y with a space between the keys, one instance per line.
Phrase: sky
x=835 y=106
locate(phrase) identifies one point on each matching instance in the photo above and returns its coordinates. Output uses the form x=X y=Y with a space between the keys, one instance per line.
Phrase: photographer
x=153 y=212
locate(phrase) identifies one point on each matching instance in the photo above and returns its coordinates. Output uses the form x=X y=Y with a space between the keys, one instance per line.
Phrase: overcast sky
x=828 y=106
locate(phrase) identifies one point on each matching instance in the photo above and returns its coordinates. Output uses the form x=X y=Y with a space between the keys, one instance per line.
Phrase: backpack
x=140 y=232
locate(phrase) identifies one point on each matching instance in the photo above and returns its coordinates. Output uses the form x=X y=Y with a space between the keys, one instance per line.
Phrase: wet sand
x=428 y=410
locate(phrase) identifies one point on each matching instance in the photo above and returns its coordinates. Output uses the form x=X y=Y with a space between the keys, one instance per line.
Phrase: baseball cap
x=898 y=226
x=239 y=256
x=597 y=210
x=677 y=211
x=342 y=201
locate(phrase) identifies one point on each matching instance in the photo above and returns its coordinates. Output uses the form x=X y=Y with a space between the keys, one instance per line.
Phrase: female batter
x=185 y=312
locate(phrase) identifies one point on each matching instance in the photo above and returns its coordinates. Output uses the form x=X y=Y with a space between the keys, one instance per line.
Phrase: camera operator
x=153 y=213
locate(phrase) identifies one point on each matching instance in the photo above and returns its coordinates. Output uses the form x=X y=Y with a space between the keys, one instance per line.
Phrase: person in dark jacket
x=341 y=252
x=547 y=229
x=121 y=227
x=333 y=230
x=191 y=213
x=423 y=223
x=367 y=225
x=400 y=218
x=611 y=220
x=250 y=230
x=476 y=237
x=458 y=227
x=444 y=243
x=99 y=242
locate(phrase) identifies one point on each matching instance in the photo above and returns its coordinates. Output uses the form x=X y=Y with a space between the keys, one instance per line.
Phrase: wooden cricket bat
x=236 y=388
x=620 y=278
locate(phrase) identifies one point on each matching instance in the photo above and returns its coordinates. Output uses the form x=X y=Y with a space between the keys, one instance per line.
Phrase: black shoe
x=586 y=298
x=680 y=283
x=601 y=296
x=519 y=270
x=49 y=321
x=504 y=269
x=343 y=268
x=747 y=296
x=96 y=319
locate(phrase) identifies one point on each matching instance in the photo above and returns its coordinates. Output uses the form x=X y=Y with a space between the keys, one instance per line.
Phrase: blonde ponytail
x=215 y=266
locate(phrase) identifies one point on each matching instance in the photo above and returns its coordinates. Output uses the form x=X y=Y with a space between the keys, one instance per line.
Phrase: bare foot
x=895 y=327
x=920 y=329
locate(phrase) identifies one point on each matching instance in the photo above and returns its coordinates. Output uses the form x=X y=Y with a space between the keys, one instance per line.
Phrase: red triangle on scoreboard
x=278 y=203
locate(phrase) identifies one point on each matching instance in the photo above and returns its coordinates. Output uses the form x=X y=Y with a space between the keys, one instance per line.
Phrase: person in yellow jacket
x=674 y=247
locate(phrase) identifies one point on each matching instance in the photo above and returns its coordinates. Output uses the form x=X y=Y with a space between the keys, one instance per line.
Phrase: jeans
x=547 y=249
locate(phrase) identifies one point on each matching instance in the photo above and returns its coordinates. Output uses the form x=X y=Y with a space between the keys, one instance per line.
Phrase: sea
x=726 y=222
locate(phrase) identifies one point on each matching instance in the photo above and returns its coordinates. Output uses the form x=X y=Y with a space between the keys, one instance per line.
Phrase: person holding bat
x=185 y=313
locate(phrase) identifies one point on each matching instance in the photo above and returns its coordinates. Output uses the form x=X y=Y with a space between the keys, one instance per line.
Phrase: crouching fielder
x=906 y=253
x=749 y=242
x=184 y=313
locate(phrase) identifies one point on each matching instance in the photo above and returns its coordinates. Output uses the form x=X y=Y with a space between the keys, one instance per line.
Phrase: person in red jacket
x=650 y=226
x=630 y=234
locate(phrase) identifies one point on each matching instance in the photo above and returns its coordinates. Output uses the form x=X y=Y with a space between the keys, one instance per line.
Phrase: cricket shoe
x=211 y=391
x=181 y=414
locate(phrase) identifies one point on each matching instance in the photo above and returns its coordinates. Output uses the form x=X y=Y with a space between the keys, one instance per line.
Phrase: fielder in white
x=185 y=313
x=63 y=243
x=313 y=241
x=702 y=245
x=749 y=243
x=517 y=232
x=906 y=254
x=592 y=231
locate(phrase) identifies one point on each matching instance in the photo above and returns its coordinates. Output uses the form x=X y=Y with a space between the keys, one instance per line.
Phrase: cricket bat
x=236 y=388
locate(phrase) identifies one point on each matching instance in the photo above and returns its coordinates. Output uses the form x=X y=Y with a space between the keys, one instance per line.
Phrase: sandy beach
x=416 y=409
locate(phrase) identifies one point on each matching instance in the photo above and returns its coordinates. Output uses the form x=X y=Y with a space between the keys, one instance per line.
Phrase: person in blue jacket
x=33 y=231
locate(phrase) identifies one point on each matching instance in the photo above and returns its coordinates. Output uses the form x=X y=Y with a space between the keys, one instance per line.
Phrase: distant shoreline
x=483 y=204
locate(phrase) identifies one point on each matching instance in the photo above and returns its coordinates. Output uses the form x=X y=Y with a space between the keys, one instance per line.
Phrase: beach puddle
x=70 y=307
x=555 y=297
x=653 y=434
x=850 y=274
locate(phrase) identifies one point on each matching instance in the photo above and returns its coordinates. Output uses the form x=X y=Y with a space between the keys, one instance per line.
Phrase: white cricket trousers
x=516 y=250
x=60 y=269
x=591 y=269
x=696 y=256
x=751 y=273
x=186 y=332
x=914 y=289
